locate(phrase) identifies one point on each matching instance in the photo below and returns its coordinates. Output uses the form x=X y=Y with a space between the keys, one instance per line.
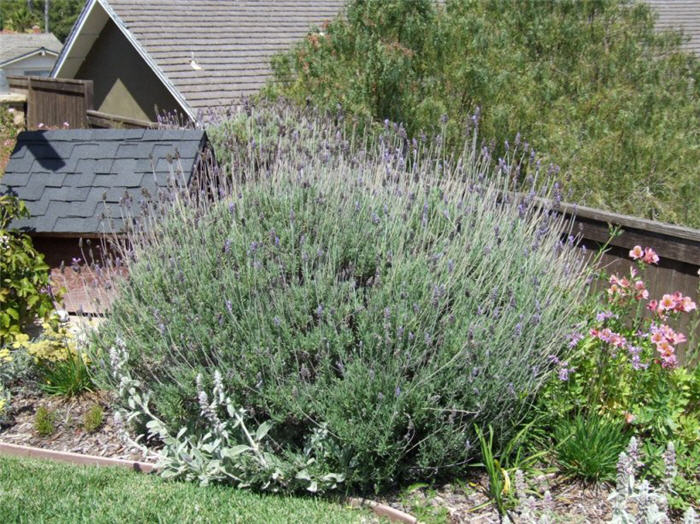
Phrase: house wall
x=33 y=66
x=83 y=290
x=124 y=85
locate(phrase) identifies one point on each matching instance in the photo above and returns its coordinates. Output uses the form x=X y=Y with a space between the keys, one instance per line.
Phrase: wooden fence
x=54 y=101
x=678 y=249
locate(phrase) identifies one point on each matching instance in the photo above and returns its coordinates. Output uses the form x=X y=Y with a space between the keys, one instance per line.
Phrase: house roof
x=74 y=181
x=680 y=14
x=17 y=45
x=209 y=53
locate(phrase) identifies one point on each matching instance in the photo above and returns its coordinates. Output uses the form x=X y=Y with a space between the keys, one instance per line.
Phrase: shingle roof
x=680 y=14
x=231 y=40
x=74 y=180
x=13 y=45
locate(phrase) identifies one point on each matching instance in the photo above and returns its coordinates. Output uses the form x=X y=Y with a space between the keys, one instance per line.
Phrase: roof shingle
x=232 y=41
x=73 y=181
x=14 y=45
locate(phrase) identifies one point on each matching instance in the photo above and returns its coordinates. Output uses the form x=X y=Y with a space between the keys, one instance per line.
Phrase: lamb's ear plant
x=227 y=452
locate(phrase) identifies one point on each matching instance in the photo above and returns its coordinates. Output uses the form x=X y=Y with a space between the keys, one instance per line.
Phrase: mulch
x=17 y=425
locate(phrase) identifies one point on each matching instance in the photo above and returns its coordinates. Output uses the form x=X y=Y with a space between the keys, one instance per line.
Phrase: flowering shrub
x=60 y=361
x=5 y=358
x=387 y=294
x=25 y=293
x=624 y=364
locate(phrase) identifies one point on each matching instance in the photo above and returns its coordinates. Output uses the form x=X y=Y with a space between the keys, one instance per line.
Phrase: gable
x=207 y=54
x=123 y=84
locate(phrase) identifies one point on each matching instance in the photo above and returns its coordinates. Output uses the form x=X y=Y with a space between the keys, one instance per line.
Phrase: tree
x=589 y=83
x=18 y=15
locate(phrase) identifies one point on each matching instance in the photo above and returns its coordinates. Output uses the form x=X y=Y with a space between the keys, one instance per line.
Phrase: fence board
x=55 y=101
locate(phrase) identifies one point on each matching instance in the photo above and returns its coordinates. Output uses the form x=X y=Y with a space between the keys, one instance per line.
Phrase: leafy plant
x=588 y=447
x=626 y=368
x=395 y=303
x=44 y=422
x=63 y=368
x=93 y=418
x=68 y=377
x=499 y=487
x=25 y=293
x=591 y=83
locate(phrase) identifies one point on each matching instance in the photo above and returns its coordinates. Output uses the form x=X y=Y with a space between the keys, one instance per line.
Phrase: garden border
x=14 y=450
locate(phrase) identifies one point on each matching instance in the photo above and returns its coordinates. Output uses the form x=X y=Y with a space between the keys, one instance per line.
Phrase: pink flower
x=667 y=303
x=678 y=338
x=688 y=305
x=657 y=338
x=636 y=253
x=650 y=256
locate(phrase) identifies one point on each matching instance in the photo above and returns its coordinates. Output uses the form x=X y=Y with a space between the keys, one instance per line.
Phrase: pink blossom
x=636 y=253
x=667 y=302
x=650 y=256
x=688 y=305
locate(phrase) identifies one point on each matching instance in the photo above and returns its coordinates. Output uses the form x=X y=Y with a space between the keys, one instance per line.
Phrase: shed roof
x=73 y=181
x=680 y=14
x=209 y=52
x=15 y=45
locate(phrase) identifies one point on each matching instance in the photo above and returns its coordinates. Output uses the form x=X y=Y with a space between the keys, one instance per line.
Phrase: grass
x=37 y=491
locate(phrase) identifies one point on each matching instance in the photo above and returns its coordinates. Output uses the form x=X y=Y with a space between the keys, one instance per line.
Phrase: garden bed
x=69 y=433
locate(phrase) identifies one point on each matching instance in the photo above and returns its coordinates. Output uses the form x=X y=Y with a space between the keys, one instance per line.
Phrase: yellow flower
x=21 y=340
x=5 y=355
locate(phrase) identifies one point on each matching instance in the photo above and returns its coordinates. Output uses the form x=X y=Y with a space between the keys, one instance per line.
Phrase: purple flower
x=574 y=339
x=604 y=315
x=229 y=306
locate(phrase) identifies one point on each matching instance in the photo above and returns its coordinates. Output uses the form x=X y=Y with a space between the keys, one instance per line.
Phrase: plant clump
x=44 y=422
x=93 y=418
x=386 y=295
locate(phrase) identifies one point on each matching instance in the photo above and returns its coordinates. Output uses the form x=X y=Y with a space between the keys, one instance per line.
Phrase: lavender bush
x=377 y=289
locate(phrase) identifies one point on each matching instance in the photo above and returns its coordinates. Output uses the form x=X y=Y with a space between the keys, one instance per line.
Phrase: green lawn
x=37 y=491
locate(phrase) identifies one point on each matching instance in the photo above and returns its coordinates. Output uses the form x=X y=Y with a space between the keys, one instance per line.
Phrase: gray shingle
x=681 y=15
x=232 y=41
x=14 y=45
x=68 y=195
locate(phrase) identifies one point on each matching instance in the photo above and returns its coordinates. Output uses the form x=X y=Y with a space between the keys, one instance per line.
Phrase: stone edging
x=15 y=450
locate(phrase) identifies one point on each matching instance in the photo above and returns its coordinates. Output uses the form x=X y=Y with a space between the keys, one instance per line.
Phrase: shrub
x=44 y=422
x=25 y=293
x=588 y=446
x=395 y=304
x=93 y=418
x=624 y=365
x=591 y=83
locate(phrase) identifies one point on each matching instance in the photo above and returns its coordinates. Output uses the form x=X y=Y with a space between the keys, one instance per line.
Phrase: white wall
x=36 y=65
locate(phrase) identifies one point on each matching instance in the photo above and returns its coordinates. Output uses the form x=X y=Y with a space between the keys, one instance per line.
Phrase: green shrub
x=25 y=293
x=67 y=377
x=393 y=304
x=93 y=418
x=590 y=83
x=588 y=447
x=44 y=422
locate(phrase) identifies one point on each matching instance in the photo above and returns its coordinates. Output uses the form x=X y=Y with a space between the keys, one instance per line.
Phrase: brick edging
x=73 y=458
